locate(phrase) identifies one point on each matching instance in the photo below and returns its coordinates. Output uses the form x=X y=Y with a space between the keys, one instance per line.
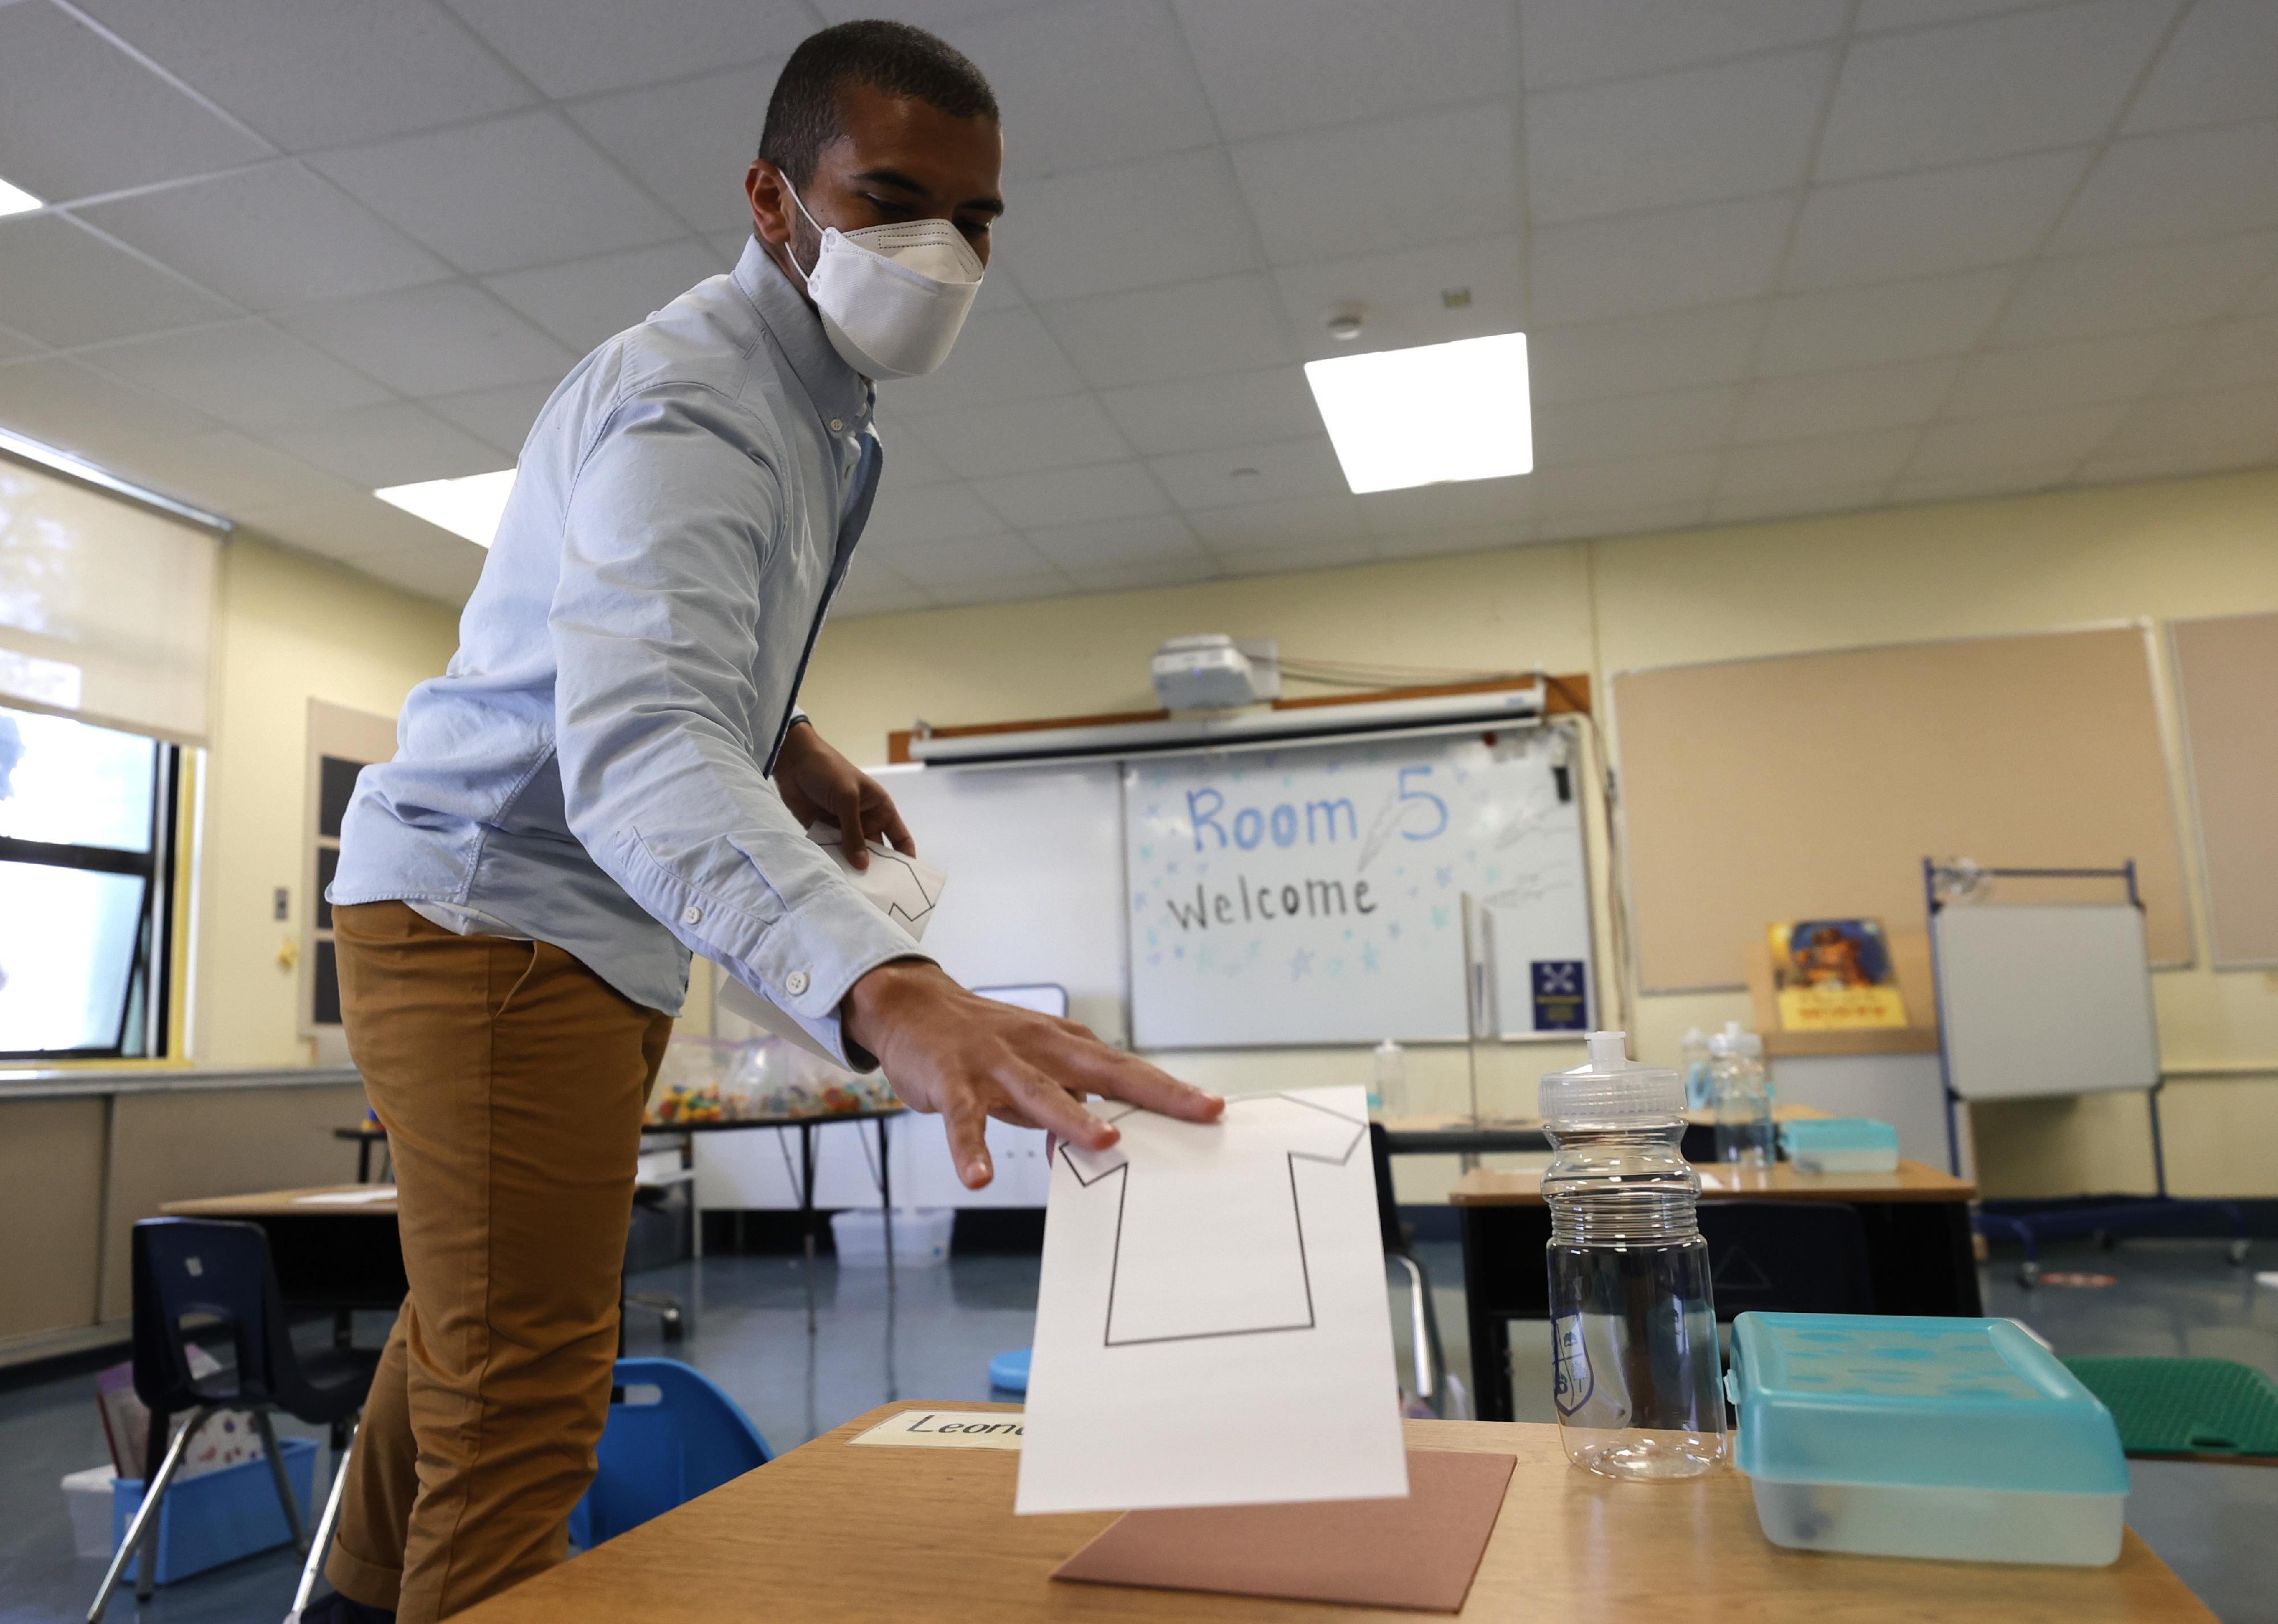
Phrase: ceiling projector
x=1213 y=672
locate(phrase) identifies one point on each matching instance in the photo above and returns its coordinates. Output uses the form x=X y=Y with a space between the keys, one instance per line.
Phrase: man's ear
x=770 y=199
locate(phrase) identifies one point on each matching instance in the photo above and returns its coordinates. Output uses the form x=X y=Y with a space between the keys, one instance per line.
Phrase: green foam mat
x=2185 y=1407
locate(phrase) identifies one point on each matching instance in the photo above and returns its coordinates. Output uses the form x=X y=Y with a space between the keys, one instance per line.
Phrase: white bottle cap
x=1734 y=1040
x=1611 y=1084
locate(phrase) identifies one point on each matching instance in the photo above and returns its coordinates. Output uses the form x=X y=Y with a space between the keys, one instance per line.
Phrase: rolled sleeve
x=655 y=625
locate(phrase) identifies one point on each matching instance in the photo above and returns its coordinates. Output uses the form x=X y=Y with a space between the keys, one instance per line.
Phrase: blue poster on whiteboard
x=1315 y=895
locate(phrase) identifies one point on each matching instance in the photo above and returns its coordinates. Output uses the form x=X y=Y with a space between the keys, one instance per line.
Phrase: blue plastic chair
x=661 y=1451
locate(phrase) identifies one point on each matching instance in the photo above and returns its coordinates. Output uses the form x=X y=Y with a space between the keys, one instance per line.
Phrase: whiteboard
x=1314 y=894
x=2043 y=1000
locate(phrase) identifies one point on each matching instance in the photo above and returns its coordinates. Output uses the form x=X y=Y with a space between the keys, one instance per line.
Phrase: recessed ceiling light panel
x=15 y=200
x=1428 y=416
x=468 y=507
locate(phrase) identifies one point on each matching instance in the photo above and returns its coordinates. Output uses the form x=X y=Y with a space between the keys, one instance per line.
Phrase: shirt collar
x=839 y=392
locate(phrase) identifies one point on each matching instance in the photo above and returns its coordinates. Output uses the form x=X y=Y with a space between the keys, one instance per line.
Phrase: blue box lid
x=1891 y=1402
x=1824 y=1134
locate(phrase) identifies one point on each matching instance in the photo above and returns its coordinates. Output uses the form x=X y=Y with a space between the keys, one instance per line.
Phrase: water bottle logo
x=1571 y=1381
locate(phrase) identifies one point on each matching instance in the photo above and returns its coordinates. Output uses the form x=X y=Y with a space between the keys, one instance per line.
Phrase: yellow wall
x=2158 y=551
x=288 y=628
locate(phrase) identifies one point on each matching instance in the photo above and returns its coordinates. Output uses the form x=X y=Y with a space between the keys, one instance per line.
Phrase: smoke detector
x=1344 y=323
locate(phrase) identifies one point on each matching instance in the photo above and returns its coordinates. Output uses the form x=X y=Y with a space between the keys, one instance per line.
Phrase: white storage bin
x=921 y=1237
x=86 y=1496
x=1954 y=1525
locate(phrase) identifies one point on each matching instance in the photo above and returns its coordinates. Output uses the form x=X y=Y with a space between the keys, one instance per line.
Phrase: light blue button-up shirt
x=593 y=768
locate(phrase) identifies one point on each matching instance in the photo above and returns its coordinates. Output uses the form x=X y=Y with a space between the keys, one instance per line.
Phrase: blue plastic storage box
x=1960 y=1439
x=1841 y=1144
x=221 y=1515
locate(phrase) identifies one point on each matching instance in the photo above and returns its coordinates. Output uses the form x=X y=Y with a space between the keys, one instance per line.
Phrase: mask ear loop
x=804 y=275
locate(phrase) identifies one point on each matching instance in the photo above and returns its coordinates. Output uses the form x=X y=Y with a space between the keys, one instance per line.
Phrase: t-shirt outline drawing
x=1359 y=1131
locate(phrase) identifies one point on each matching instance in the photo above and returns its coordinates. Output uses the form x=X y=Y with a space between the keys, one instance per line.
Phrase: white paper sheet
x=1212 y=1324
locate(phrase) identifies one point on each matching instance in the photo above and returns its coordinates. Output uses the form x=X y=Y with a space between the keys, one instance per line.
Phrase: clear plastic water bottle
x=1638 y=1381
x=1741 y=1096
x=1389 y=1095
x=1694 y=1063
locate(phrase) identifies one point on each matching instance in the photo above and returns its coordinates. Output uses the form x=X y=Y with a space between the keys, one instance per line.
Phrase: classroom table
x=1459 y=1135
x=1920 y=1258
x=830 y=1534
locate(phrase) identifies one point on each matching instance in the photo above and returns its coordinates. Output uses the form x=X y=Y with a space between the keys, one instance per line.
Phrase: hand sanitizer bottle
x=1742 y=1097
x=1637 y=1378
x=1389 y=1095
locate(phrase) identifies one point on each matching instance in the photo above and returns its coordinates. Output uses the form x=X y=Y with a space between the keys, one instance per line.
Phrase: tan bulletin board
x=2227 y=681
x=1814 y=784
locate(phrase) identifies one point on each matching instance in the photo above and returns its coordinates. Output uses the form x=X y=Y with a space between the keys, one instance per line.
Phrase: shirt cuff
x=809 y=960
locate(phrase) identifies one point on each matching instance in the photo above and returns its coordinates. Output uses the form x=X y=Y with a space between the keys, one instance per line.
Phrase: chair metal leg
x=1422 y=1353
x=144 y=1527
x=262 y=1425
x=315 y=1561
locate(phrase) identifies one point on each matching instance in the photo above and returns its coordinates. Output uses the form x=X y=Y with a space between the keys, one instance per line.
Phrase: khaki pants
x=511 y=1080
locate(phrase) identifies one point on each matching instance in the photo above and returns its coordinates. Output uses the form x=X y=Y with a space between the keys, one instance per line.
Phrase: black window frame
x=147 y=1010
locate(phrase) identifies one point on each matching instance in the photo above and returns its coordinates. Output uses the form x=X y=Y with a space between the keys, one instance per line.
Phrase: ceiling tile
x=1133 y=226
x=1573 y=40
x=1469 y=504
x=2053 y=77
x=1227 y=324
x=229 y=473
x=268 y=237
x=447 y=338
x=908 y=463
x=64 y=286
x=1980 y=445
x=15 y=346
x=689 y=141
x=2190 y=434
x=1404 y=295
x=871 y=587
x=79 y=116
x=2263 y=300
x=1890 y=396
x=902 y=518
x=1073 y=495
x=2191 y=183
x=573 y=47
x=588 y=300
x=1292 y=521
x=1194 y=414
x=1092 y=82
x=338 y=521
x=1011 y=589
x=1821 y=462
x=1892 y=321
x=1001 y=355
x=1148 y=538
x=1429 y=177
x=523 y=190
x=499 y=416
x=446 y=572
x=2134 y=289
x=319 y=75
x=1667 y=260
x=1021 y=438
x=390 y=444
x=1444 y=544
x=935 y=14
x=2230 y=354
x=246 y=373
x=1620 y=487
x=1274 y=66
x=1327 y=553
x=62 y=403
x=2217 y=68
x=1633 y=426
x=1240 y=475
x=1766 y=506
x=2047 y=378
x=1638 y=355
x=1180 y=570
x=1968 y=484
x=1646 y=520
x=1690 y=137
x=1881 y=16
x=1942 y=219
x=968 y=559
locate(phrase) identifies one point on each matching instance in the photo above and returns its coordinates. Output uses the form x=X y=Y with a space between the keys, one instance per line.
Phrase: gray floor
x=934 y=1338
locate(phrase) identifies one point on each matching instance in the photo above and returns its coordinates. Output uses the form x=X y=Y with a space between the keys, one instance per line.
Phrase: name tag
x=946 y=1429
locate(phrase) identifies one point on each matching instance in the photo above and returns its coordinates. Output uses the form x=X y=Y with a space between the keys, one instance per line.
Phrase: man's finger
x=1094 y=1065
x=967 y=1126
x=850 y=830
x=892 y=826
x=1052 y=1108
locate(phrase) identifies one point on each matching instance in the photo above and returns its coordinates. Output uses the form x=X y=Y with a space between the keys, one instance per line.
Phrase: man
x=614 y=773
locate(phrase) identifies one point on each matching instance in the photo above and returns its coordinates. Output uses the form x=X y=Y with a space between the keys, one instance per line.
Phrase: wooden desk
x=333 y=1255
x=1919 y=1255
x=830 y=1534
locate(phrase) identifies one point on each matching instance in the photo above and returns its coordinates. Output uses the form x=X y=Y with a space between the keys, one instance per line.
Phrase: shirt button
x=692 y=916
x=836 y=425
x=795 y=983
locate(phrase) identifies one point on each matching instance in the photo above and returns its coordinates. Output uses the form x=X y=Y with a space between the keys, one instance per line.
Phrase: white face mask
x=892 y=297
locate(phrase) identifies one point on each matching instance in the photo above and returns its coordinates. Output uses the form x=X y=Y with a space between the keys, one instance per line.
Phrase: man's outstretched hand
x=819 y=785
x=970 y=1058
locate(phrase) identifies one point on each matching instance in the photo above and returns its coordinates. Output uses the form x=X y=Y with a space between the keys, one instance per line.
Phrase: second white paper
x=1212 y=1322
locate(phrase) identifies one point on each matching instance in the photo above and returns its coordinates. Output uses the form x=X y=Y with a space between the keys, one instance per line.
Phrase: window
x=341 y=743
x=86 y=891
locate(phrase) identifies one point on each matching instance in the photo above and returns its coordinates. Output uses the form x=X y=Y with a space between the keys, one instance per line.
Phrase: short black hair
x=803 y=114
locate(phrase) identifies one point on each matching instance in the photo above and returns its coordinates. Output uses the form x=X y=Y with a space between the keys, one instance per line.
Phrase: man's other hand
x=969 y=1058
x=819 y=785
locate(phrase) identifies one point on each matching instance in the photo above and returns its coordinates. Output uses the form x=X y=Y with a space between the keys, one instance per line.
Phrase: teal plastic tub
x=1960 y=1440
x=1841 y=1144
